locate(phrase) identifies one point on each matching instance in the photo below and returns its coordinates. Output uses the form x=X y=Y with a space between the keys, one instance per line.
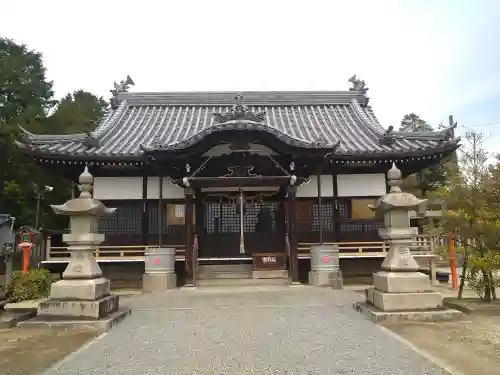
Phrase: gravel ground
x=472 y=346
x=246 y=331
x=30 y=351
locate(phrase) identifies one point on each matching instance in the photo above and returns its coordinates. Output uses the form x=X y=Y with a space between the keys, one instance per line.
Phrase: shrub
x=31 y=285
x=481 y=275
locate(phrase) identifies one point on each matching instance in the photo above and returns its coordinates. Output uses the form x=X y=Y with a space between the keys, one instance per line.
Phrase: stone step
x=225 y=268
x=225 y=275
x=228 y=271
x=238 y=282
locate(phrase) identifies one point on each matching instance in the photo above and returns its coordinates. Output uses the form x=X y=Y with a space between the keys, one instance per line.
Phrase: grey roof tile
x=176 y=120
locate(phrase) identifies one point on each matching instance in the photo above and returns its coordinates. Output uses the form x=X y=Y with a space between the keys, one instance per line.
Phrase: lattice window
x=127 y=219
x=255 y=217
x=221 y=217
x=229 y=218
x=326 y=217
x=109 y=224
x=213 y=217
x=224 y=217
x=343 y=210
x=130 y=218
x=153 y=217
x=360 y=226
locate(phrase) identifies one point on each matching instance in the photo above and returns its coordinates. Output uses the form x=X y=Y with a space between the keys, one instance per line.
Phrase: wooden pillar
x=145 y=216
x=293 y=235
x=320 y=212
x=160 y=210
x=335 y=220
x=188 y=222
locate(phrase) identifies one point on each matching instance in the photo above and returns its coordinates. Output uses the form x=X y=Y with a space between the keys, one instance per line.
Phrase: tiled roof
x=144 y=121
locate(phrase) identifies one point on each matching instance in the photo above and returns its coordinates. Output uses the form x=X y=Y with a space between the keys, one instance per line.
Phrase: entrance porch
x=241 y=230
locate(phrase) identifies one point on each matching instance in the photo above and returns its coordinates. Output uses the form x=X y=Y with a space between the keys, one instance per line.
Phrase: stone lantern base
x=74 y=303
x=404 y=296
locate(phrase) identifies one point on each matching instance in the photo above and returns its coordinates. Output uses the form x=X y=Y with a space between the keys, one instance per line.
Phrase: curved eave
x=51 y=138
x=33 y=152
x=429 y=151
x=237 y=125
x=336 y=158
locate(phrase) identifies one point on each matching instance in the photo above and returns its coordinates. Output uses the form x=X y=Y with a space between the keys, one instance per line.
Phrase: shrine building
x=238 y=177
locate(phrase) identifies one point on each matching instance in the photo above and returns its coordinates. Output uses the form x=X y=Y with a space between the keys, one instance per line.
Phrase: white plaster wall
x=169 y=191
x=310 y=190
x=119 y=188
x=361 y=185
x=124 y=188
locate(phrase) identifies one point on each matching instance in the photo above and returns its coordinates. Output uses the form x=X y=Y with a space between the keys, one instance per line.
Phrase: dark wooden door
x=263 y=226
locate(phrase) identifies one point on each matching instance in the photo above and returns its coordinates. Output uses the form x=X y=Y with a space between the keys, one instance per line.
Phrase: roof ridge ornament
x=239 y=112
x=443 y=135
x=123 y=86
x=358 y=85
x=90 y=141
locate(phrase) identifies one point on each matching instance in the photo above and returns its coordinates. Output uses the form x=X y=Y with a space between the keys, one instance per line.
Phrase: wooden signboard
x=269 y=261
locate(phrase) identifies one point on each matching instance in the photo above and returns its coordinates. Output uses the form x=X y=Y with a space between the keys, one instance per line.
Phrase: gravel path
x=247 y=331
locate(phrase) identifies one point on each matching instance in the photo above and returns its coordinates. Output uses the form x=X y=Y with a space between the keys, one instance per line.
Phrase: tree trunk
x=462 y=277
x=464 y=268
x=487 y=286
x=493 y=285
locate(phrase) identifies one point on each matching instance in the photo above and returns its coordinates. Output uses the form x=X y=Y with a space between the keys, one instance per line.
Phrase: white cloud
x=405 y=53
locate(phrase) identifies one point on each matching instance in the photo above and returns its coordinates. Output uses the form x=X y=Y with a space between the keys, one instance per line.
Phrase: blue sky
x=431 y=57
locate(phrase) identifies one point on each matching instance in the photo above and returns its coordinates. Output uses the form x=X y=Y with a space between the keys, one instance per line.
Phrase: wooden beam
x=201 y=182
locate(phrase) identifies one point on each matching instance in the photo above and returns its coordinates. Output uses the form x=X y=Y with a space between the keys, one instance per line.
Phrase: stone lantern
x=399 y=289
x=83 y=294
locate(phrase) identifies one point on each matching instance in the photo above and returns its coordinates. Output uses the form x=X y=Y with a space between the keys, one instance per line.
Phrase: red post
x=25 y=245
x=453 y=262
x=26 y=258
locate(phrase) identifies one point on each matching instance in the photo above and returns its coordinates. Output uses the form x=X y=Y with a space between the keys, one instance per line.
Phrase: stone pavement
x=245 y=330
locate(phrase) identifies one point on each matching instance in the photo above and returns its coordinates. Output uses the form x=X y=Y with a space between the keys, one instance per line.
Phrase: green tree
x=25 y=96
x=471 y=195
x=77 y=113
x=429 y=179
x=413 y=123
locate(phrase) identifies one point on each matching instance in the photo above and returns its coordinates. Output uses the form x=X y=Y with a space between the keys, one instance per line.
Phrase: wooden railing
x=377 y=249
x=422 y=244
x=59 y=254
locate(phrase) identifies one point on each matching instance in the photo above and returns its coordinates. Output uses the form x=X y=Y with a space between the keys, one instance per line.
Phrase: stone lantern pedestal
x=83 y=295
x=400 y=291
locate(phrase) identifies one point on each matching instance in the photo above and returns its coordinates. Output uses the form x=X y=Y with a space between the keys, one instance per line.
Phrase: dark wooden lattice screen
x=225 y=217
x=108 y=224
x=126 y=220
x=326 y=217
x=360 y=226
